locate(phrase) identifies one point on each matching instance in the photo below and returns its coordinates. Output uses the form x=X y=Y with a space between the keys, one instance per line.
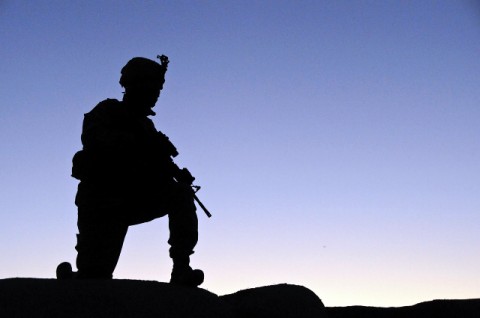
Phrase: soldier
x=125 y=180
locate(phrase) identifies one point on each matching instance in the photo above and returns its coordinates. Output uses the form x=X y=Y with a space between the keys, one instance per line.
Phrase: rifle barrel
x=202 y=206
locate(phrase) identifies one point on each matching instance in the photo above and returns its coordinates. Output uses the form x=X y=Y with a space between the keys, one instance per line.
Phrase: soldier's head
x=143 y=80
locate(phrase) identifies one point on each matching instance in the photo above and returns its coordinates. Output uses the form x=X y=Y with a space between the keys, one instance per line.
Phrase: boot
x=186 y=276
x=64 y=271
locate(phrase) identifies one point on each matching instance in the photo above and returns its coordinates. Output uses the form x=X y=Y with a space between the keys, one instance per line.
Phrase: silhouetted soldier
x=126 y=180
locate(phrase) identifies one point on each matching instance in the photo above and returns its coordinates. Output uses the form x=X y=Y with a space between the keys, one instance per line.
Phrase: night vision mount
x=163 y=61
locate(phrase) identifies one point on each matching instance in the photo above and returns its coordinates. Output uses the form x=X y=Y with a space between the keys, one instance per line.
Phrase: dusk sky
x=337 y=143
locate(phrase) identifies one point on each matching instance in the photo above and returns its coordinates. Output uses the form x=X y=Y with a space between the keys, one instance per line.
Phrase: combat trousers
x=102 y=229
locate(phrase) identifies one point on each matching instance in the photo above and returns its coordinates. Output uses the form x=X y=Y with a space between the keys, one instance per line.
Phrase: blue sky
x=336 y=142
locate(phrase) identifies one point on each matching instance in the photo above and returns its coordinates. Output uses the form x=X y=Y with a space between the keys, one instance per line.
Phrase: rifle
x=180 y=175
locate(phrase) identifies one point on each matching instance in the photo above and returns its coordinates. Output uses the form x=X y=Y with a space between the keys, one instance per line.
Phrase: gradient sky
x=336 y=142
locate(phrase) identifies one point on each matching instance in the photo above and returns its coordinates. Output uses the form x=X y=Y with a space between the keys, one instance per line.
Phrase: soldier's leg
x=183 y=225
x=99 y=243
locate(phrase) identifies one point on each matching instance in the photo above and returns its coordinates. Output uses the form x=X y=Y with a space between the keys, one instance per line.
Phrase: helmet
x=139 y=70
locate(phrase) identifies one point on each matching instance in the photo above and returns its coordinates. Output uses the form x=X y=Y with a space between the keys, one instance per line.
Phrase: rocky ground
x=28 y=297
